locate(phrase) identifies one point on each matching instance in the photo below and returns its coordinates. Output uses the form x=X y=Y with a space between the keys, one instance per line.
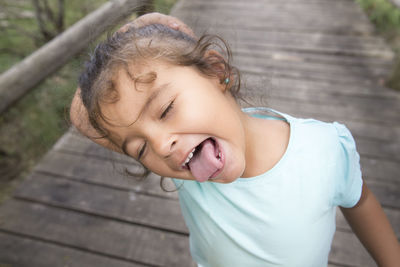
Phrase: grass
x=386 y=18
x=32 y=126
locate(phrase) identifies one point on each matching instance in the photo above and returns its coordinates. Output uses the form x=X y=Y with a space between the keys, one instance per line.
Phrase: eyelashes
x=141 y=152
x=163 y=115
x=167 y=110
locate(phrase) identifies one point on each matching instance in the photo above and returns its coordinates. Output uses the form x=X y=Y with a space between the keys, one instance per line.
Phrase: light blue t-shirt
x=284 y=217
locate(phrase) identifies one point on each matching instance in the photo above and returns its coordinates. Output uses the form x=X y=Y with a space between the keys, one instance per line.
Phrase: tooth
x=189 y=157
x=219 y=155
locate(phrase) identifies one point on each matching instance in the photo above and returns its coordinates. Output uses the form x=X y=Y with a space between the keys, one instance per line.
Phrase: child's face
x=180 y=111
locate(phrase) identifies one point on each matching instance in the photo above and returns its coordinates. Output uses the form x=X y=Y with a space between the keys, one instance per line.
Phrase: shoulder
x=329 y=142
x=318 y=131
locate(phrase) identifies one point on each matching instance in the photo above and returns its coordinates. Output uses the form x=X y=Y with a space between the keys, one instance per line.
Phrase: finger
x=158 y=18
x=178 y=25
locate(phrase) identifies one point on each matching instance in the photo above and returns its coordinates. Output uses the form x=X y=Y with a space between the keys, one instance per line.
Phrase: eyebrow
x=150 y=99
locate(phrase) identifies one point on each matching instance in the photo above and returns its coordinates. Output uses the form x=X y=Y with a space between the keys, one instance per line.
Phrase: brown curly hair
x=134 y=46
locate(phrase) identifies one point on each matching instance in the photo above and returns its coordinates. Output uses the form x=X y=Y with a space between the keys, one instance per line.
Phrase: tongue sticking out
x=205 y=162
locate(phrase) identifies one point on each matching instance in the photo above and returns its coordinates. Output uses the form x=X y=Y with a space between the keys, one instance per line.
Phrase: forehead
x=134 y=87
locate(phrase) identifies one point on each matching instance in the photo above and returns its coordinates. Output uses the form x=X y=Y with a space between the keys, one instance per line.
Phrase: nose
x=164 y=143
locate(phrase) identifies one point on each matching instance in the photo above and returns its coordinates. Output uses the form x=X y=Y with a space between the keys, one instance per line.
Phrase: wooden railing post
x=23 y=76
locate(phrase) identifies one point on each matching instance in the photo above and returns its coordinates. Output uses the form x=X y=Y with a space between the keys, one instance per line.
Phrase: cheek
x=160 y=168
x=201 y=110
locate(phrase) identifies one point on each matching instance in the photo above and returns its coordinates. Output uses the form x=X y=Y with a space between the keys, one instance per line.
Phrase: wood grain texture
x=99 y=171
x=318 y=59
x=125 y=205
x=95 y=234
x=19 y=79
x=307 y=58
x=26 y=252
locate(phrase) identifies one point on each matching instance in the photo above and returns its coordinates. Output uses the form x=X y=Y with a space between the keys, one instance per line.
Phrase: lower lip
x=215 y=174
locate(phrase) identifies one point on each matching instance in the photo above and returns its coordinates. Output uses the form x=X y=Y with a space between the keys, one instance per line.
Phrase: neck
x=266 y=142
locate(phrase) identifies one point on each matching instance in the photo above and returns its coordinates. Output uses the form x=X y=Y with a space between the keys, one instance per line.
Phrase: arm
x=373 y=229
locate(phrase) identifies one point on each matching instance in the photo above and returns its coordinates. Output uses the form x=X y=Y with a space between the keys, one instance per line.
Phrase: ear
x=219 y=67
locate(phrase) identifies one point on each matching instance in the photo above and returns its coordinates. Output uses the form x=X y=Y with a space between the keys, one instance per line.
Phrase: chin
x=230 y=176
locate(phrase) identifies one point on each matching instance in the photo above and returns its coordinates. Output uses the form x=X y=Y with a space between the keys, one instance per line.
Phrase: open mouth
x=205 y=161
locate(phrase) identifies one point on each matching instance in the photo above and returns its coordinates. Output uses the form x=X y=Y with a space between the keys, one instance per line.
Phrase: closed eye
x=168 y=109
x=141 y=152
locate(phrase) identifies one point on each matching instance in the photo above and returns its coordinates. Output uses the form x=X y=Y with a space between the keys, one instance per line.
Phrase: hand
x=158 y=18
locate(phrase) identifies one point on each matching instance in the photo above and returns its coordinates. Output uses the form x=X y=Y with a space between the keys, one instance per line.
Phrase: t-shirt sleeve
x=348 y=181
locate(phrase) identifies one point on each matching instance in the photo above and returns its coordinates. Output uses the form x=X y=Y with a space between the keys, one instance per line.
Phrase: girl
x=257 y=187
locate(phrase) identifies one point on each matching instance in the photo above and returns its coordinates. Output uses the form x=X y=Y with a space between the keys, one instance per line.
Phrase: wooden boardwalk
x=309 y=58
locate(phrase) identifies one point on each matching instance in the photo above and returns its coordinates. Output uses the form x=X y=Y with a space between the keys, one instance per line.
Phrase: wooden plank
x=367 y=148
x=215 y=24
x=351 y=108
x=142 y=209
x=380 y=170
x=372 y=129
x=376 y=131
x=101 y=172
x=389 y=134
x=368 y=164
x=388 y=195
x=392 y=214
x=260 y=44
x=26 y=252
x=347 y=11
x=312 y=70
x=262 y=54
x=20 y=78
x=347 y=250
x=73 y=142
x=95 y=234
x=124 y=205
x=259 y=37
x=201 y=26
x=293 y=54
x=367 y=108
x=267 y=83
x=270 y=87
x=309 y=75
x=98 y=171
x=278 y=15
x=331 y=112
x=277 y=22
x=342 y=112
x=371 y=148
x=379 y=149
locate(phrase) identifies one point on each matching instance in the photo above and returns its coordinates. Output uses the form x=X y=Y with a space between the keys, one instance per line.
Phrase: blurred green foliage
x=31 y=127
x=386 y=18
x=383 y=14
